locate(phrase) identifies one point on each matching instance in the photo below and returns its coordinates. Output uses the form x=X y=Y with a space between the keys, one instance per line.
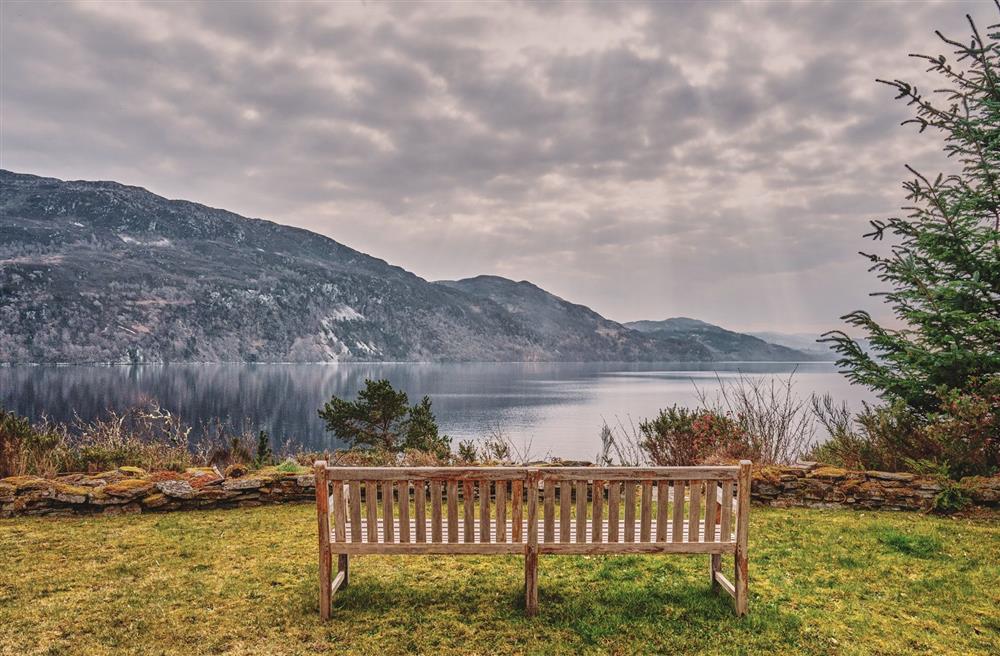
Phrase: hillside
x=721 y=344
x=104 y=272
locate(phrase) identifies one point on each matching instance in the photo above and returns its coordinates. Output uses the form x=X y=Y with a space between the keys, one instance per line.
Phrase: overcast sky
x=718 y=161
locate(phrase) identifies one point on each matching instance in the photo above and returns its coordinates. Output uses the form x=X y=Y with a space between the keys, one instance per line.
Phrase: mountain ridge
x=107 y=272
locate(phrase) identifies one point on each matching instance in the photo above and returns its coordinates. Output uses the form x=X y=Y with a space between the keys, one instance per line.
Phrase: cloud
x=649 y=160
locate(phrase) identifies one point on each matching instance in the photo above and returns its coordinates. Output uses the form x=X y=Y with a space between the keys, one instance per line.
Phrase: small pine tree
x=943 y=271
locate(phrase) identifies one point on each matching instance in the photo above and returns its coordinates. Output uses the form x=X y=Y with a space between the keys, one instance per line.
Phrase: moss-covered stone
x=129 y=487
x=134 y=472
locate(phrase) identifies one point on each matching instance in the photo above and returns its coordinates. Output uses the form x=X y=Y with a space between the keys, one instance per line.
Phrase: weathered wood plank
x=516 y=510
x=742 y=532
x=678 y=527
x=711 y=504
x=403 y=490
x=339 y=512
x=565 y=493
x=419 y=510
x=428 y=473
x=630 y=511
x=694 y=512
x=355 y=505
x=371 y=509
x=662 y=503
x=501 y=511
x=614 y=503
x=549 y=495
x=645 y=511
x=468 y=511
x=436 y=511
x=484 y=511
x=726 y=522
x=387 y=514
x=581 y=511
x=559 y=474
x=325 y=554
x=597 y=500
x=452 y=487
x=532 y=501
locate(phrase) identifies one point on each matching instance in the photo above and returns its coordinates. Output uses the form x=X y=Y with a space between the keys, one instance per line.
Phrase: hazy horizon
x=649 y=161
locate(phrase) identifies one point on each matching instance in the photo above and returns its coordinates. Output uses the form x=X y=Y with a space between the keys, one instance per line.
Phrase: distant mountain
x=104 y=272
x=806 y=342
x=722 y=344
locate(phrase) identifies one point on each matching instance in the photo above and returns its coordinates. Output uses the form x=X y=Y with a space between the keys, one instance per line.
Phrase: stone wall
x=132 y=490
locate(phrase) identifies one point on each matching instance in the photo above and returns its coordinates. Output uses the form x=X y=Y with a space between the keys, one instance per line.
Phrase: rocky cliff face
x=103 y=272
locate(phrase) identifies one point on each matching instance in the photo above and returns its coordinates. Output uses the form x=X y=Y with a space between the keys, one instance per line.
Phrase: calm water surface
x=558 y=408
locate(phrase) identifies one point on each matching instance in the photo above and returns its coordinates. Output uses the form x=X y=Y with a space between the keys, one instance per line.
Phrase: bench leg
x=714 y=565
x=531 y=580
x=342 y=567
x=740 y=583
x=325 y=582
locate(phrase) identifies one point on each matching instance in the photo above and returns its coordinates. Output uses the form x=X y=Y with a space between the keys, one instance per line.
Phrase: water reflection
x=559 y=407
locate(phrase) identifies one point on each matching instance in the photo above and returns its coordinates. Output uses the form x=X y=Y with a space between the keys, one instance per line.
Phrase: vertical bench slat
x=565 y=494
x=516 y=511
x=597 y=527
x=355 y=503
x=550 y=511
x=484 y=511
x=388 y=535
x=452 y=487
x=662 y=500
x=646 y=511
x=614 y=502
x=629 y=511
x=711 y=502
x=677 y=534
x=581 y=512
x=371 y=510
x=339 y=514
x=420 y=510
x=404 y=511
x=532 y=510
x=726 y=525
x=468 y=511
x=694 y=512
x=436 y=512
x=501 y=514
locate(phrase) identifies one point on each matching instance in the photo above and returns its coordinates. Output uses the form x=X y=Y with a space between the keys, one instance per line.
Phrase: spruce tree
x=943 y=269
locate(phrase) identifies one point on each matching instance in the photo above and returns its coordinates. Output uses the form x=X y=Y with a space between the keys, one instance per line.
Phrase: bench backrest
x=495 y=509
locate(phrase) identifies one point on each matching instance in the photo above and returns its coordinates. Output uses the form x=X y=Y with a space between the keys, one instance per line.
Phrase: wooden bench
x=495 y=510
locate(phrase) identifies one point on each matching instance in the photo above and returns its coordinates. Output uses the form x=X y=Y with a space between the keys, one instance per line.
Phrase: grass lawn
x=244 y=582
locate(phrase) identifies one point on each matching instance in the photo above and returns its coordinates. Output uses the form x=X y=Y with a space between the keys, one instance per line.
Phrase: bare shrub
x=778 y=426
x=621 y=445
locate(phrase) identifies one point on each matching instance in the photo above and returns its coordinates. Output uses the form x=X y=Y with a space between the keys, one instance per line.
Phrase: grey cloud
x=647 y=159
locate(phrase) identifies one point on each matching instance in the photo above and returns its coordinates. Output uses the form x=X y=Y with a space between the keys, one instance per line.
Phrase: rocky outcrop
x=132 y=490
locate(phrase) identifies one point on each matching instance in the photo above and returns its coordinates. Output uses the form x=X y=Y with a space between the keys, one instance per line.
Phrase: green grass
x=244 y=582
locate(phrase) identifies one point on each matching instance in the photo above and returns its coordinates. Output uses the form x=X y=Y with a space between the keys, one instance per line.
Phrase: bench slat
x=565 y=492
x=484 y=511
x=420 y=510
x=404 y=511
x=630 y=511
x=711 y=503
x=662 y=502
x=597 y=496
x=516 y=510
x=452 y=487
x=501 y=511
x=646 y=511
x=550 y=511
x=355 y=503
x=726 y=524
x=581 y=511
x=387 y=510
x=678 y=511
x=694 y=512
x=468 y=511
x=371 y=508
x=435 y=511
x=614 y=501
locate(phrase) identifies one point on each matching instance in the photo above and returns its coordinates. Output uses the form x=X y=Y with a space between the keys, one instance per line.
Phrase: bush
x=962 y=438
x=679 y=436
